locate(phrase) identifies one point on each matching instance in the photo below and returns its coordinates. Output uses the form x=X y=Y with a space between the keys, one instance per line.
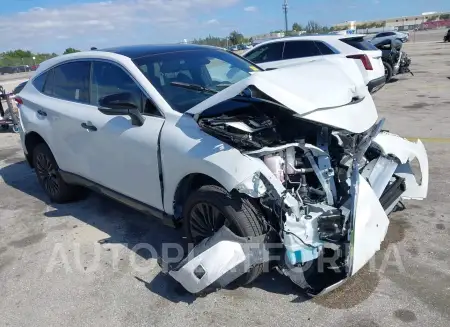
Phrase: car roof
x=138 y=51
x=323 y=37
x=119 y=53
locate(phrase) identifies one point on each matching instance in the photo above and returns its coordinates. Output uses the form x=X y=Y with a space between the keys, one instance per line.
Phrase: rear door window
x=300 y=49
x=70 y=81
x=266 y=53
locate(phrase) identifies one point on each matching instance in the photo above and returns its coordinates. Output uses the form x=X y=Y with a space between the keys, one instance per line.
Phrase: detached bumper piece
x=217 y=261
x=376 y=84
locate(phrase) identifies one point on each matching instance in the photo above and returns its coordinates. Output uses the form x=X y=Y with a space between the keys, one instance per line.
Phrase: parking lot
x=43 y=284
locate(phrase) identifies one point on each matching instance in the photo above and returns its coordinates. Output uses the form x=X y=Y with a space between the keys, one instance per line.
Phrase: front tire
x=49 y=177
x=387 y=71
x=210 y=207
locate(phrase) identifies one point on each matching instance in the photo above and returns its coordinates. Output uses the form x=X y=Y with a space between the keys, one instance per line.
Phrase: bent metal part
x=330 y=191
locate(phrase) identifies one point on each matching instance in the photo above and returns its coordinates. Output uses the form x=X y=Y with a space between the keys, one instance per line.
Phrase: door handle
x=89 y=127
x=42 y=113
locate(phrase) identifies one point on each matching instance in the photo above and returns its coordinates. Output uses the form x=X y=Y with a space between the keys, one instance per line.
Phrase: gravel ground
x=42 y=283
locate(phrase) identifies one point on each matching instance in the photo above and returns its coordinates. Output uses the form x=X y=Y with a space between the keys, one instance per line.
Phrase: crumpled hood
x=318 y=91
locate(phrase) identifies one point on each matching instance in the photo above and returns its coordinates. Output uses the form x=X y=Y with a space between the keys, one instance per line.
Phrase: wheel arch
x=188 y=184
x=32 y=139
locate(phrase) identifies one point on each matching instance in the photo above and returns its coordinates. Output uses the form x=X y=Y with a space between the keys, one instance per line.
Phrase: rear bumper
x=376 y=84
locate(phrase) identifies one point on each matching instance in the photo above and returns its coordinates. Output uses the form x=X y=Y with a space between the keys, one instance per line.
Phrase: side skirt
x=166 y=219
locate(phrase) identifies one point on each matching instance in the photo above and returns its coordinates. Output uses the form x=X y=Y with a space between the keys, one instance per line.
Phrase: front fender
x=406 y=151
x=186 y=149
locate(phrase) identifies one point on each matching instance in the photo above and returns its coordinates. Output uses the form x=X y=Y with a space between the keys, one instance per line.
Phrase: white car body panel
x=370 y=228
x=306 y=98
x=230 y=254
x=201 y=153
x=406 y=152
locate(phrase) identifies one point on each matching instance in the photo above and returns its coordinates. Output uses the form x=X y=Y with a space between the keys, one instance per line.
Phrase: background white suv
x=300 y=49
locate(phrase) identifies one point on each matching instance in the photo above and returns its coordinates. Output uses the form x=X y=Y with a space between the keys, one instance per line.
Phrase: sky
x=54 y=25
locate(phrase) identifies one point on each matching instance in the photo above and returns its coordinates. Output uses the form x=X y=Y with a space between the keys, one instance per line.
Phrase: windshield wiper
x=194 y=87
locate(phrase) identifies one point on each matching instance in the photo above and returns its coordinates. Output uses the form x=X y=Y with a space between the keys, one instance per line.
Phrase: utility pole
x=285 y=10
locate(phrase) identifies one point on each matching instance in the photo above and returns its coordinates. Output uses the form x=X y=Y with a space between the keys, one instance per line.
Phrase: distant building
x=403 y=23
x=270 y=36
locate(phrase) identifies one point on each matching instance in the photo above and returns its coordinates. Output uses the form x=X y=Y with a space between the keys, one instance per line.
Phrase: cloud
x=212 y=22
x=250 y=9
x=113 y=22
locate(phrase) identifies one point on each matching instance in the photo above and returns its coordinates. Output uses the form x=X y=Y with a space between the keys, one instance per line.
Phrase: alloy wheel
x=47 y=174
x=205 y=220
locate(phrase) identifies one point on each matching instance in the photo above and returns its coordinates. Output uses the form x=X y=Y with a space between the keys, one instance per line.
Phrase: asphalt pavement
x=79 y=264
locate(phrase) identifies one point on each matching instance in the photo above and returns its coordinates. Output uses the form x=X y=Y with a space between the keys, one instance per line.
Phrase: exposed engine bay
x=315 y=181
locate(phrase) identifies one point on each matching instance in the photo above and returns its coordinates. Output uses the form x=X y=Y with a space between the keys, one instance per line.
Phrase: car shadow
x=129 y=228
x=393 y=80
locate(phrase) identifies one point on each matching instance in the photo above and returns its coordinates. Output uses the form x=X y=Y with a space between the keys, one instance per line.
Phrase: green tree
x=236 y=37
x=297 y=27
x=313 y=27
x=23 y=57
x=70 y=50
x=212 y=40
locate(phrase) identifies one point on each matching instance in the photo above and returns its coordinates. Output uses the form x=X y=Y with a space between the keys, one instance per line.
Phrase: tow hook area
x=218 y=260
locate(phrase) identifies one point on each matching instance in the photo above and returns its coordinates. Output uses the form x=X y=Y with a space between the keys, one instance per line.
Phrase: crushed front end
x=326 y=194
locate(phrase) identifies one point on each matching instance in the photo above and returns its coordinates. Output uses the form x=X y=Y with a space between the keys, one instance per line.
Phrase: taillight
x=365 y=60
x=18 y=99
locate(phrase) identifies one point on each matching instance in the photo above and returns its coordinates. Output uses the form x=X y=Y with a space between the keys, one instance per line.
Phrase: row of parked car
x=239 y=47
x=17 y=69
x=277 y=155
x=378 y=60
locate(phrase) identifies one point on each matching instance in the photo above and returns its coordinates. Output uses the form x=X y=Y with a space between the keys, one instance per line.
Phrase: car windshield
x=183 y=78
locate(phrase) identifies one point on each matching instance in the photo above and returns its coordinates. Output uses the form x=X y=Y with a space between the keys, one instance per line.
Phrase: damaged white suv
x=288 y=160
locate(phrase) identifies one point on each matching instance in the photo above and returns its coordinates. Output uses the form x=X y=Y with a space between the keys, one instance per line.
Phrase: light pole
x=34 y=61
x=415 y=29
x=285 y=10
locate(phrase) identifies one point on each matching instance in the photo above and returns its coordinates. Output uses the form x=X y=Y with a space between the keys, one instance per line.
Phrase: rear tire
x=49 y=177
x=233 y=210
x=387 y=71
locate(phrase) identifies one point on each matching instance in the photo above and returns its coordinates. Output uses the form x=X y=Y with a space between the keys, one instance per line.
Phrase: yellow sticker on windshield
x=254 y=68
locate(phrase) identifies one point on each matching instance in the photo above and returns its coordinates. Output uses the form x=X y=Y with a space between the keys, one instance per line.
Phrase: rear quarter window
x=360 y=43
x=39 y=81
x=324 y=48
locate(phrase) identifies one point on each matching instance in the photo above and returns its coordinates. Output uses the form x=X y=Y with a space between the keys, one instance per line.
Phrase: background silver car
x=387 y=35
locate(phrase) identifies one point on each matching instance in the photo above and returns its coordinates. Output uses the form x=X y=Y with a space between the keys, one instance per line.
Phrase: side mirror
x=121 y=104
